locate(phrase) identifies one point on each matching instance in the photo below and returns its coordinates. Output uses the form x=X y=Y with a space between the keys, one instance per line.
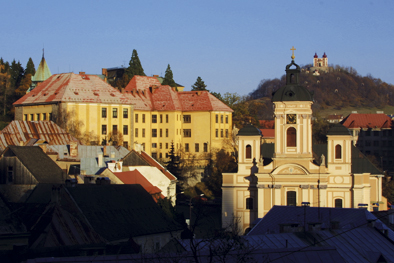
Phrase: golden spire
x=292 y=56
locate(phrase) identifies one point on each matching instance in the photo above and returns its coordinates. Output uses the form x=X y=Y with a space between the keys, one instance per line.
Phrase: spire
x=292 y=56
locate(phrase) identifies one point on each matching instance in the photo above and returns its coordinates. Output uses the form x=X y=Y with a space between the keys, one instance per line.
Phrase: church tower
x=42 y=73
x=293 y=119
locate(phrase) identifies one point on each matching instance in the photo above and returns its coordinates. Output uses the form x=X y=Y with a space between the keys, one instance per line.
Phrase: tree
x=135 y=67
x=199 y=85
x=173 y=164
x=4 y=88
x=169 y=78
x=116 y=137
x=23 y=87
x=30 y=69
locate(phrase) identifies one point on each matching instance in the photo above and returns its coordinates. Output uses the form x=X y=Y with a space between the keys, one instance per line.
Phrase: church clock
x=291 y=118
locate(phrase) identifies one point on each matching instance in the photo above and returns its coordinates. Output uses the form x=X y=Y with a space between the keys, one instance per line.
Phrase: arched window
x=291 y=137
x=338 y=151
x=249 y=203
x=338 y=203
x=291 y=198
x=248 y=151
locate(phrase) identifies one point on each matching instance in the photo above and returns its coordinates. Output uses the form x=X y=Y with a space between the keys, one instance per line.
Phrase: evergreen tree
x=199 y=84
x=173 y=164
x=30 y=69
x=169 y=78
x=135 y=67
x=16 y=72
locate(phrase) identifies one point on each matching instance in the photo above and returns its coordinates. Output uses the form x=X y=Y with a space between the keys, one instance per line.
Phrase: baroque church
x=294 y=172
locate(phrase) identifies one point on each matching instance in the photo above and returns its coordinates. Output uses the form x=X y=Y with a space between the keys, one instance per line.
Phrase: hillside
x=339 y=91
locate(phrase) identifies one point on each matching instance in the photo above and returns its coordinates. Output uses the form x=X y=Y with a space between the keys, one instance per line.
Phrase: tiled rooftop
x=361 y=120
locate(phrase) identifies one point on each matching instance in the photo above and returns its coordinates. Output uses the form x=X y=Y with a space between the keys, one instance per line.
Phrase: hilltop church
x=294 y=172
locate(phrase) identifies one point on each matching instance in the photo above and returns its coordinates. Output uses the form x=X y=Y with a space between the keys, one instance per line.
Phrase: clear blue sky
x=232 y=45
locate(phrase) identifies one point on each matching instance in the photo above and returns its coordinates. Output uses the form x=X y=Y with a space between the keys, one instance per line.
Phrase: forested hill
x=339 y=88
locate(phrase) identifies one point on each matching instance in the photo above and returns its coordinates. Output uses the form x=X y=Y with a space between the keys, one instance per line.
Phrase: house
x=85 y=103
x=101 y=215
x=163 y=115
x=292 y=170
x=30 y=133
x=334 y=118
x=23 y=167
x=354 y=233
x=372 y=133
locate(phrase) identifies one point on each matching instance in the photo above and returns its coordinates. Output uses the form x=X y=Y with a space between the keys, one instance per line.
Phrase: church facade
x=294 y=172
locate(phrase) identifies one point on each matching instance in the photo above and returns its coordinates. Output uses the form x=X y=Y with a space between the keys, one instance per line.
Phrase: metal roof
x=23 y=131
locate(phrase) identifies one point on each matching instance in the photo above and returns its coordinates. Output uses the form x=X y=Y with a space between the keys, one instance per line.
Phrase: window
x=161 y=145
x=50 y=116
x=217 y=133
x=143 y=118
x=114 y=128
x=249 y=203
x=25 y=117
x=38 y=116
x=166 y=145
x=291 y=137
x=44 y=116
x=186 y=147
x=187 y=133
x=10 y=174
x=338 y=203
x=166 y=155
x=226 y=133
x=368 y=133
x=187 y=119
x=221 y=118
x=221 y=133
x=154 y=145
x=125 y=113
x=166 y=132
x=126 y=145
x=217 y=119
x=166 y=118
x=32 y=117
x=291 y=198
x=154 y=156
x=125 y=130
x=376 y=133
x=161 y=132
x=104 y=129
x=161 y=118
x=115 y=113
x=136 y=132
x=143 y=133
x=136 y=118
x=104 y=112
x=161 y=155
x=154 y=132
x=154 y=118
x=197 y=147
x=248 y=151
x=226 y=118
x=205 y=147
x=376 y=143
x=338 y=151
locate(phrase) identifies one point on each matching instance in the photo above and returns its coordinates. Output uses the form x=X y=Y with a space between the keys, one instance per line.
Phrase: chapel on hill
x=294 y=172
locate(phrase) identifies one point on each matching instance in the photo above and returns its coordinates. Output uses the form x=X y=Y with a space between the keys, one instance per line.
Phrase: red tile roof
x=360 y=120
x=267 y=124
x=135 y=177
x=25 y=131
x=70 y=87
x=268 y=133
x=148 y=94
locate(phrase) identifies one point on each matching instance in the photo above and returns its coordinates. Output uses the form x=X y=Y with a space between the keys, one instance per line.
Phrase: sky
x=231 y=45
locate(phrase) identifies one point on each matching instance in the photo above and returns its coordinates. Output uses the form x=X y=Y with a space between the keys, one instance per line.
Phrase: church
x=294 y=172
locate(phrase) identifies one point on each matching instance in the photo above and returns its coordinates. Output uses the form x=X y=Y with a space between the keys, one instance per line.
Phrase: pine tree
x=135 y=67
x=30 y=69
x=173 y=165
x=169 y=78
x=199 y=84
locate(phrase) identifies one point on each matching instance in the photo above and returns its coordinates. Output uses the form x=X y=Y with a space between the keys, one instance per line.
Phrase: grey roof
x=134 y=159
x=249 y=130
x=338 y=129
x=41 y=166
x=293 y=91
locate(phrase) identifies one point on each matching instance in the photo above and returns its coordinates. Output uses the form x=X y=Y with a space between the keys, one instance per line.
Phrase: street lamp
x=190 y=212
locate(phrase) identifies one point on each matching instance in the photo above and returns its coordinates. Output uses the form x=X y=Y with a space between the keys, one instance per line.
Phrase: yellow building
x=195 y=121
x=91 y=108
x=294 y=172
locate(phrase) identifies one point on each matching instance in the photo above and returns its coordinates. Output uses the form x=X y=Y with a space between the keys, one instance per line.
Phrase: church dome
x=293 y=91
x=249 y=130
x=315 y=56
x=338 y=129
x=324 y=56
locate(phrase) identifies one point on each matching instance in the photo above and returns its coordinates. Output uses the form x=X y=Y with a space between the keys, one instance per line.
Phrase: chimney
x=155 y=76
x=82 y=73
x=104 y=72
x=105 y=150
x=73 y=149
x=100 y=160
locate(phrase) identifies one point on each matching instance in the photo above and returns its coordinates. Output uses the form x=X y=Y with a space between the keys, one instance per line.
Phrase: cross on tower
x=292 y=56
